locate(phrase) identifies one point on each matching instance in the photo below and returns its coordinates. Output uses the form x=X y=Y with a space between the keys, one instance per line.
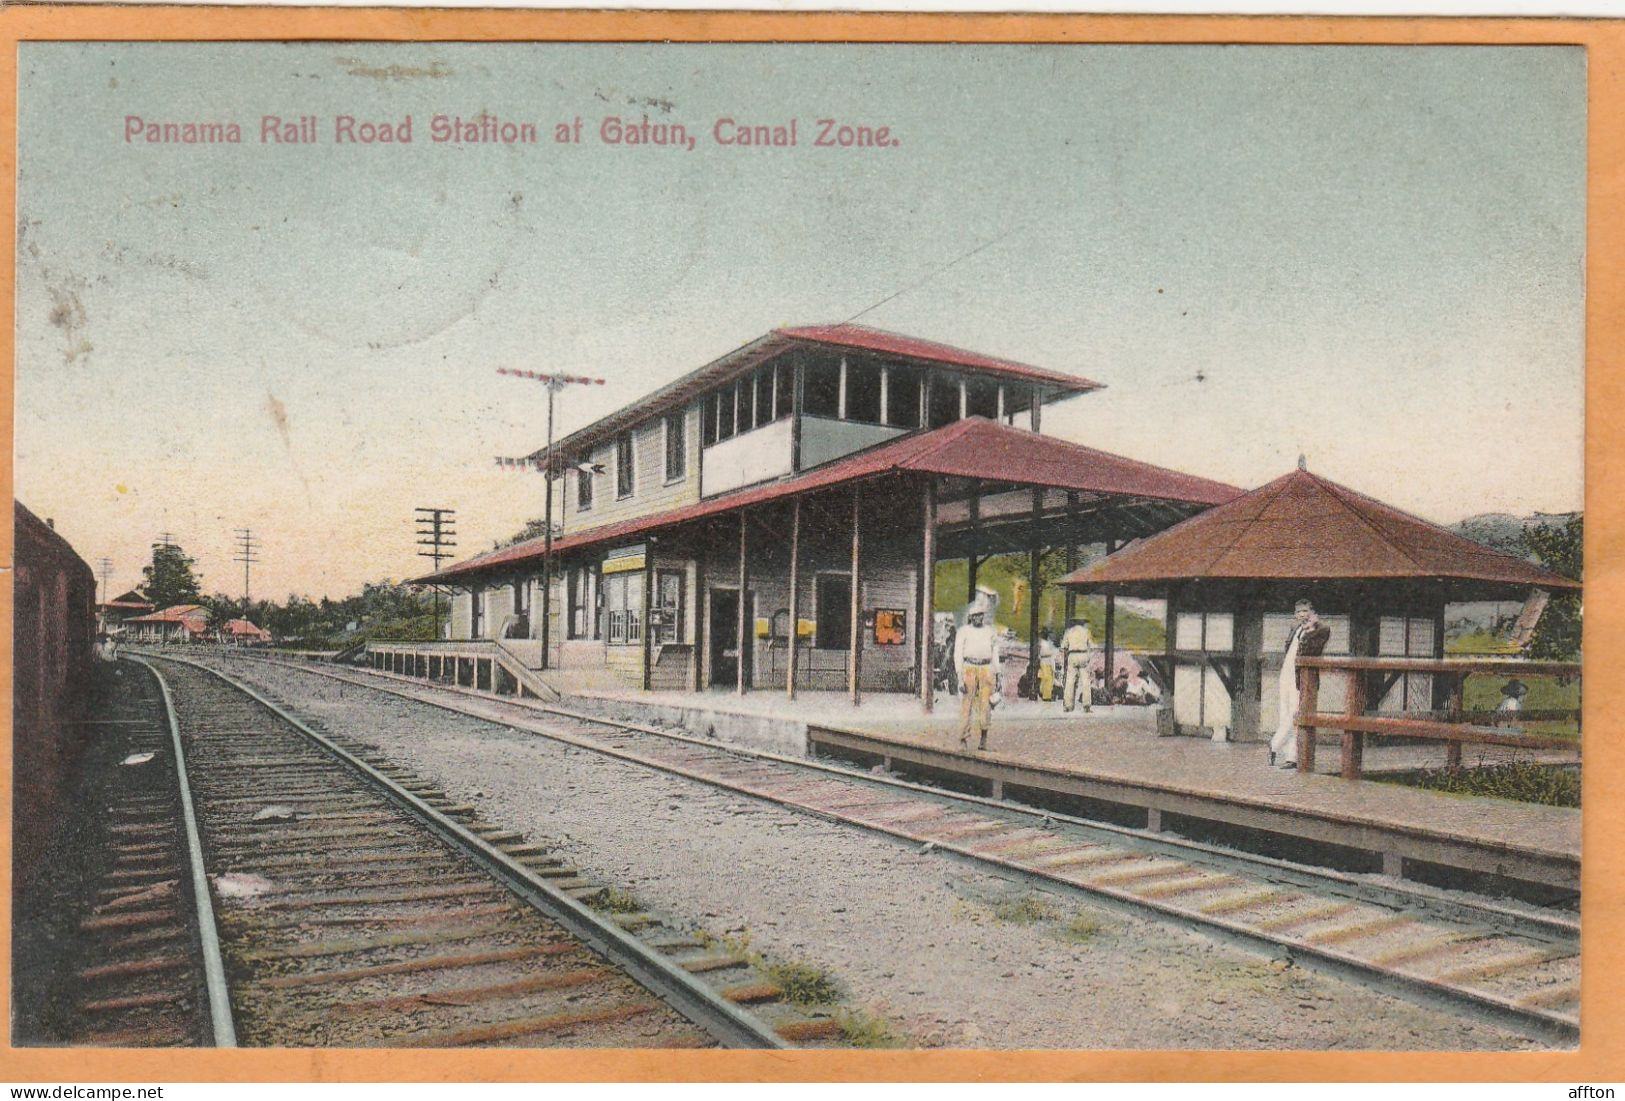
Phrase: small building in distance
x=242 y=632
x=1378 y=577
x=125 y=606
x=177 y=623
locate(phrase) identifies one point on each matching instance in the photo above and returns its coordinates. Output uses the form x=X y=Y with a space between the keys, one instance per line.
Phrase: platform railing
x=1454 y=724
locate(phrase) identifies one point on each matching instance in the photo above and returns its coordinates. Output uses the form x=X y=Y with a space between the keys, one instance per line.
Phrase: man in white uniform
x=1075 y=646
x=976 y=660
x=1308 y=639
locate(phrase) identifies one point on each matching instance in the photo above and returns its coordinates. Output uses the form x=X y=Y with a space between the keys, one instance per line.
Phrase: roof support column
x=928 y=595
x=1110 y=645
x=702 y=613
x=648 y=608
x=744 y=582
x=974 y=530
x=1071 y=554
x=854 y=655
x=1033 y=554
x=795 y=598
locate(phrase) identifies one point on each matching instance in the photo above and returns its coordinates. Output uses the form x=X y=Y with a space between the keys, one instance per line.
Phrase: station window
x=944 y=409
x=521 y=596
x=1018 y=401
x=624 y=476
x=784 y=387
x=676 y=447
x=862 y=392
x=981 y=398
x=578 y=585
x=903 y=386
x=821 y=393
x=623 y=608
x=834 y=603
x=476 y=614
x=583 y=489
x=667 y=619
x=727 y=405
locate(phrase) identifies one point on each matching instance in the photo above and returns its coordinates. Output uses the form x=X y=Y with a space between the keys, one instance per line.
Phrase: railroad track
x=355 y=905
x=1512 y=964
x=138 y=976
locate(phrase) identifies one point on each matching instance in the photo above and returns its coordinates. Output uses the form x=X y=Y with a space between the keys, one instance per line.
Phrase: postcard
x=850 y=549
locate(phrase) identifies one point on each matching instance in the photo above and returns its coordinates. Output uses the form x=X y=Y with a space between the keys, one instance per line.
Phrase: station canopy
x=988 y=476
x=1302 y=527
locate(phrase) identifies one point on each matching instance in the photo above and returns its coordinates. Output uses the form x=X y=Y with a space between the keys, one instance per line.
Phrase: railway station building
x=774 y=520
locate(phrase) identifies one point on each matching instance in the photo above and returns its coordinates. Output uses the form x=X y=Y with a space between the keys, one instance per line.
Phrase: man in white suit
x=1308 y=639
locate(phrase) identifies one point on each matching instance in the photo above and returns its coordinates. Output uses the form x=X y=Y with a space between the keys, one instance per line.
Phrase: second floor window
x=624 y=481
x=676 y=447
x=583 y=489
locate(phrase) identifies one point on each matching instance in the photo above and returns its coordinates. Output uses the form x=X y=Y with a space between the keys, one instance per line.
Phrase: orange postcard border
x=1601 y=1057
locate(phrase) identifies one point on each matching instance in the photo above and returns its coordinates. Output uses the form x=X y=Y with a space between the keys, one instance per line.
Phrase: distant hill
x=1500 y=530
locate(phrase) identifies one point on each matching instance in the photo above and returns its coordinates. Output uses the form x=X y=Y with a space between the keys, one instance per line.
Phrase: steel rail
x=223 y=1028
x=1502 y=1010
x=689 y=996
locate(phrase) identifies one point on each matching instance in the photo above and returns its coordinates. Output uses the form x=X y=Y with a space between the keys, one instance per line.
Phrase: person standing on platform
x=1307 y=640
x=976 y=660
x=1076 y=645
x=1047 y=653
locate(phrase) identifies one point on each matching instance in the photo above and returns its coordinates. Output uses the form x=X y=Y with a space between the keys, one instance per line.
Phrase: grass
x=803 y=983
x=865 y=1030
x=1082 y=928
x=613 y=900
x=1026 y=910
x=1524 y=781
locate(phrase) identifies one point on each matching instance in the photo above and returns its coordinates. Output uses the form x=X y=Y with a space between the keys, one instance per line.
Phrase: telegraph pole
x=106 y=565
x=246 y=546
x=554 y=383
x=435 y=530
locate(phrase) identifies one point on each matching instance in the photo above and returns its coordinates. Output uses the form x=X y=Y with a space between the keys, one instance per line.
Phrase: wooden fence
x=1454 y=725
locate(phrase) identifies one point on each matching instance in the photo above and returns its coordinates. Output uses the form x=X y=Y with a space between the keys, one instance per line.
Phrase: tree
x=171 y=579
x=1561 y=549
x=533 y=529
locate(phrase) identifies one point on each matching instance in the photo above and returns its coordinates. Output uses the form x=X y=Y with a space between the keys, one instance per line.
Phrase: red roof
x=745 y=359
x=1303 y=527
x=969 y=448
x=244 y=628
x=175 y=613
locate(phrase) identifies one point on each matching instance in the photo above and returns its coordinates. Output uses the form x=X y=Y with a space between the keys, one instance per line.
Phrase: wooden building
x=711 y=532
x=176 y=623
x=1378 y=577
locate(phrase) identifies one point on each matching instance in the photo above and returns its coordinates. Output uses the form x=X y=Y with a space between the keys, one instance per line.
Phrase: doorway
x=723 y=632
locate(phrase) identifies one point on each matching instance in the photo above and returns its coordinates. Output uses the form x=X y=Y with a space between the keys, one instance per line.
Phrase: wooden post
x=744 y=582
x=973 y=531
x=1308 y=703
x=1168 y=624
x=1458 y=691
x=795 y=593
x=701 y=617
x=1354 y=740
x=928 y=595
x=1110 y=646
x=1033 y=553
x=648 y=609
x=854 y=656
x=1071 y=556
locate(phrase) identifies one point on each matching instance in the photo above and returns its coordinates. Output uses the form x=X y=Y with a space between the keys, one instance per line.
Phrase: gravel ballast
x=945 y=954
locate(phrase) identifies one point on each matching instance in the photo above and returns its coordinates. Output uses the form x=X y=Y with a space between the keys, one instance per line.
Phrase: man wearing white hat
x=976 y=660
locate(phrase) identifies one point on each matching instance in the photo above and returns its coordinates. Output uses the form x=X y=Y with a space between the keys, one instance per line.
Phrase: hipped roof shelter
x=973 y=458
x=1302 y=527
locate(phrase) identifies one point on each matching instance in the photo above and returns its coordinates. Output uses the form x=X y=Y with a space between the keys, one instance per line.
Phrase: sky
x=1373 y=257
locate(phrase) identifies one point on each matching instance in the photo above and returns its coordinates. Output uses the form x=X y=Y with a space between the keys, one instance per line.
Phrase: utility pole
x=554 y=383
x=106 y=565
x=246 y=546
x=435 y=530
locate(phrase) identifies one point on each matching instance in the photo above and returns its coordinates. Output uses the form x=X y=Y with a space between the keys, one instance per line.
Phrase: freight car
x=53 y=657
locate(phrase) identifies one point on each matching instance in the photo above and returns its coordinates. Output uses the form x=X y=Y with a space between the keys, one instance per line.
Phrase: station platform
x=1110 y=764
